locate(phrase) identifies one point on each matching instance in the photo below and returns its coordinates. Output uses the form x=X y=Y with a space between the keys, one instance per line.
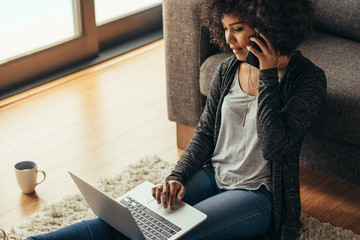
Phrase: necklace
x=247 y=109
x=252 y=84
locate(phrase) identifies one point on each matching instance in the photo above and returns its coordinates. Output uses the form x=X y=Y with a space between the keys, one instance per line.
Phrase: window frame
x=24 y=69
x=19 y=74
x=130 y=26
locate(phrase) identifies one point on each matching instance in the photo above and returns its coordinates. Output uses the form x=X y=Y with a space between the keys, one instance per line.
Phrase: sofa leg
x=183 y=135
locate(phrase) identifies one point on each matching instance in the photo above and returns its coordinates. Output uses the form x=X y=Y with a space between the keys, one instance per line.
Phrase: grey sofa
x=332 y=145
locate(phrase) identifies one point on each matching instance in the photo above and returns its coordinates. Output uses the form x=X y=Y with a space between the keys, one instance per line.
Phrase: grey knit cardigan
x=286 y=109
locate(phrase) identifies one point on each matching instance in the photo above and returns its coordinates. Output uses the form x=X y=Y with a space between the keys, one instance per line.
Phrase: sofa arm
x=186 y=47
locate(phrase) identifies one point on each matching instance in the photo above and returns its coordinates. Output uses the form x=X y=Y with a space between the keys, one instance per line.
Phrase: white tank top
x=237 y=159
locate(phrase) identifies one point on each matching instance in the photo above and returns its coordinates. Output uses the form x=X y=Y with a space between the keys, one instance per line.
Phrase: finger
x=265 y=39
x=254 y=51
x=181 y=193
x=261 y=44
x=158 y=194
x=153 y=192
x=172 y=194
x=267 y=42
x=165 y=194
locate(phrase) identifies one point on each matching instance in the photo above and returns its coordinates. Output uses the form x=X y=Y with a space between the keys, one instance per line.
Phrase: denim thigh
x=201 y=185
x=231 y=214
x=95 y=229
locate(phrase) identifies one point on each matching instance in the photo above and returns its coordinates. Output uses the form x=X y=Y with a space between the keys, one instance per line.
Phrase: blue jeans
x=231 y=214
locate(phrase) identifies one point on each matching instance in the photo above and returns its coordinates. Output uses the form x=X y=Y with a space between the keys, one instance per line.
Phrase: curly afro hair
x=285 y=23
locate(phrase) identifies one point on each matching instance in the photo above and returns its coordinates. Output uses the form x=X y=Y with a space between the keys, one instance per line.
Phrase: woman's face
x=237 y=35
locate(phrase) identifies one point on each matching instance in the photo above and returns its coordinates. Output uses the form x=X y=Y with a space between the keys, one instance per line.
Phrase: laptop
x=137 y=215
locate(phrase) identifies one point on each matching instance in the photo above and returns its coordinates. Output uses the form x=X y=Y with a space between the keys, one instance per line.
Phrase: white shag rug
x=74 y=208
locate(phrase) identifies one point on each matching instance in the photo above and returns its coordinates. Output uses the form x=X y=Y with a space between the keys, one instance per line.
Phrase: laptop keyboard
x=152 y=225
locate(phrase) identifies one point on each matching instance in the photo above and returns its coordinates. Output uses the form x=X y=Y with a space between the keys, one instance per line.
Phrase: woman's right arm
x=199 y=149
x=201 y=146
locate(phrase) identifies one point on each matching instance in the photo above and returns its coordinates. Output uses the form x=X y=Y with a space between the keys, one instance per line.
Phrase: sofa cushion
x=338 y=17
x=208 y=69
x=339 y=58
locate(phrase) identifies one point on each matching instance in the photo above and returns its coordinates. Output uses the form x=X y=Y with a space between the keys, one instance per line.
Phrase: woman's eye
x=238 y=29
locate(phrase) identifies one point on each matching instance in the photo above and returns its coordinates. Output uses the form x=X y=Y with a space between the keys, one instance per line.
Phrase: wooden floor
x=98 y=120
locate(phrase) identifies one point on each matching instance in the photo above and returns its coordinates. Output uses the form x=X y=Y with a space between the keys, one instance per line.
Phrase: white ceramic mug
x=4 y=234
x=26 y=175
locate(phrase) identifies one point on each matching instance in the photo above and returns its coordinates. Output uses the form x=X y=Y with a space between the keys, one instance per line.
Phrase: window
x=36 y=25
x=110 y=10
x=40 y=37
x=121 y=20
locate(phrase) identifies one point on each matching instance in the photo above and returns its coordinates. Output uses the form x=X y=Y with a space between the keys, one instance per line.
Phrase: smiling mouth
x=236 y=50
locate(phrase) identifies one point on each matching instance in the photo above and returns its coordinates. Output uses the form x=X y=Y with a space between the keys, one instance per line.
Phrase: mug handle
x=4 y=234
x=44 y=174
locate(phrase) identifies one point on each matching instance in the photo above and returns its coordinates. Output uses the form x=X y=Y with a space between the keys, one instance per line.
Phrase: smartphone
x=251 y=58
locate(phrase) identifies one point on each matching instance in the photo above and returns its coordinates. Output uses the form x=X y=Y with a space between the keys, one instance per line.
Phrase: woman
x=241 y=167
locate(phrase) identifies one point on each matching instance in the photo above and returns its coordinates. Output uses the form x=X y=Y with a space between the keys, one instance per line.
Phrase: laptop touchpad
x=160 y=209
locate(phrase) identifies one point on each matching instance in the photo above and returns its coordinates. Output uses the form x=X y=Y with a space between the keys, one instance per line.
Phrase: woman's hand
x=268 y=58
x=169 y=191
